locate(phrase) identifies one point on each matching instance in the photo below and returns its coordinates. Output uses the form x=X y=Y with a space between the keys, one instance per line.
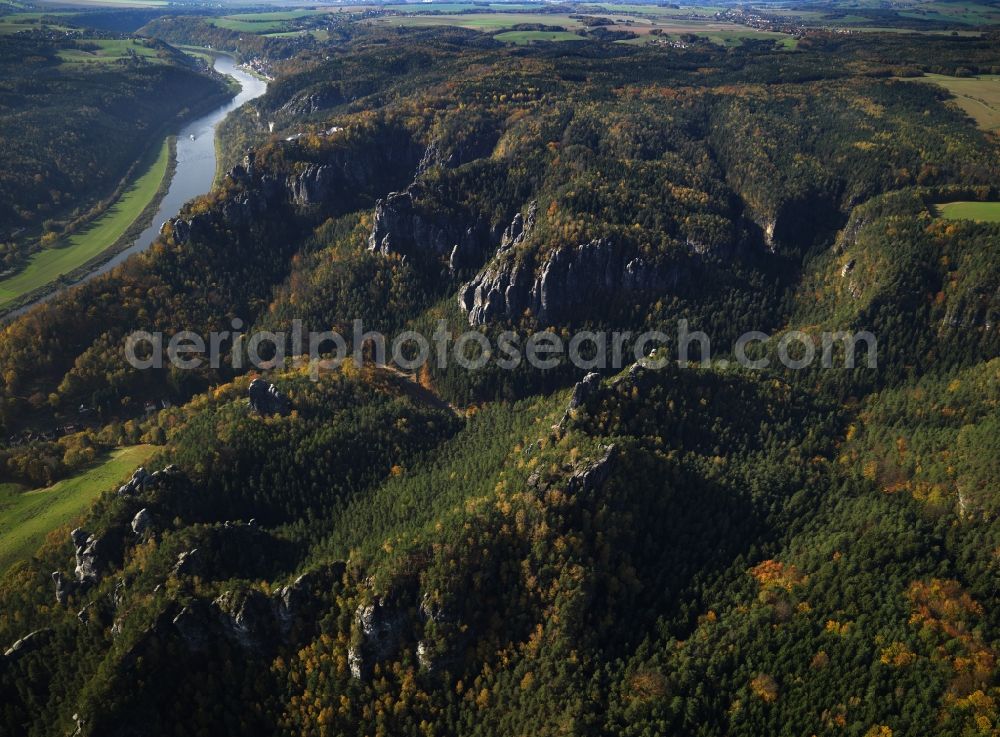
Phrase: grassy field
x=449 y=7
x=249 y=26
x=14 y=22
x=984 y=212
x=110 y=50
x=706 y=11
x=90 y=241
x=269 y=22
x=978 y=97
x=274 y=15
x=972 y=14
x=526 y=37
x=483 y=21
x=722 y=33
x=26 y=517
x=728 y=38
x=199 y=52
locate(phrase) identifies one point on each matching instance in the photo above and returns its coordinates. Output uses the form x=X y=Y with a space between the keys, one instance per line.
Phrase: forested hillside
x=76 y=130
x=692 y=550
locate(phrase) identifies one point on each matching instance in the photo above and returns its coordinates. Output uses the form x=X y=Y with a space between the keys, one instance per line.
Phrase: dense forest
x=694 y=550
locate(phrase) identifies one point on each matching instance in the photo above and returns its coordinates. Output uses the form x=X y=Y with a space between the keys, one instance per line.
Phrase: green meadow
x=26 y=517
x=109 y=50
x=979 y=97
x=525 y=37
x=484 y=21
x=91 y=240
x=984 y=212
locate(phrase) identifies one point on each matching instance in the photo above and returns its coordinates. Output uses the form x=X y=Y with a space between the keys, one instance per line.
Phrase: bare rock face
x=519 y=229
x=593 y=476
x=379 y=630
x=254 y=621
x=247 y=618
x=65 y=587
x=27 y=644
x=569 y=280
x=184 y=229
x=189 y=563
x=90 y=559
x=402 y=228
x=584 y=390
x=502 y=291
x=444 y=638
x=141 y=478
x=142 y=522
x=100 y=612
x=265 y=399
x=195 y=626
x=317 y=184
x=93 y=556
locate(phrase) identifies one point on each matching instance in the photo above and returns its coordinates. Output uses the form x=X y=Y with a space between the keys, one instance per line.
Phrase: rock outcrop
x=92 y=554
x=380 y=628
x=189 y=563
x=254 y=621
x=195 y=626
x=520 y=228
x=142 y=522
x=28 y=644
x=569 y=280
x=100 y=611
x=265 y=399
x=593 y=476
x=315 y=185
x=401 y=227
x=584 y=389
x=65 y=587
x=444 y=638
x=140 y=479
x=247 y=618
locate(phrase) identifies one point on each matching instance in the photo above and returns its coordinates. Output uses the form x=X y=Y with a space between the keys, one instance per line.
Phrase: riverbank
x=129 y=215
x=97 y=241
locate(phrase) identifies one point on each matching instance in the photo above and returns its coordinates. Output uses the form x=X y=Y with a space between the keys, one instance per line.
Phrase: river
x=194 y=172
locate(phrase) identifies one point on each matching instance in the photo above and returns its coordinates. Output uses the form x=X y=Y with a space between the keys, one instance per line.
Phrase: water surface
x=194 y=172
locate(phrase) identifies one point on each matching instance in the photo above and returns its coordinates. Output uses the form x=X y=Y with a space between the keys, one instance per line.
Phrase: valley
x=697 y=514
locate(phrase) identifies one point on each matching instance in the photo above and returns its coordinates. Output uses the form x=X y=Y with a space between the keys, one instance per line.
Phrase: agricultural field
x=728 y=35
x=705 y=11
x=15 y=22
x=447 y=7
x=525 y=37
x=978 y=97
x=973 y=14
x=720 y=32
x=89 y=242
x=26 y=517
x=984 y=212
x=106 y=51
x=266 y=23
x=484 y=21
